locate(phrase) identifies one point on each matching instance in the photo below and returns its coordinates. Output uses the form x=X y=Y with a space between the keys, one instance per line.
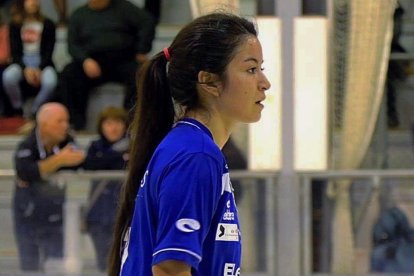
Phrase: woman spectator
x=32 y=40
x=109 y=152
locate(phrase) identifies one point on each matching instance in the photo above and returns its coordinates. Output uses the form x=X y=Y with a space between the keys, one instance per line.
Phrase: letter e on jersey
x=230 y=269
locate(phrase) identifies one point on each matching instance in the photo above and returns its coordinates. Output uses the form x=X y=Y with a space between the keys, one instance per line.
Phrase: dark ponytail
x=154 y=117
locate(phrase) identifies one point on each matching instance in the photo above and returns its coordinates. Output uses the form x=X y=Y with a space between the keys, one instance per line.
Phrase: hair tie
x=167 y=54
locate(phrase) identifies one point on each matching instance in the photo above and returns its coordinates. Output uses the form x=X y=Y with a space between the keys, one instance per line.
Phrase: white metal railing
x=72 y=262
x=376 y=177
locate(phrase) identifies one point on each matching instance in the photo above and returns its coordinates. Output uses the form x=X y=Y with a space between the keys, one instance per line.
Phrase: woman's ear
x=209 y=82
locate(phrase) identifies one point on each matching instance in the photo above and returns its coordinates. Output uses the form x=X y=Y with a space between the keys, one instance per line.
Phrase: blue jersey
x=185 y=208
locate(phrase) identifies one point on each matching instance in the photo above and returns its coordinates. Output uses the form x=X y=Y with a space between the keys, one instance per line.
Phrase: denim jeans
x=12 y=78
x=36 y=243
x=101 y=237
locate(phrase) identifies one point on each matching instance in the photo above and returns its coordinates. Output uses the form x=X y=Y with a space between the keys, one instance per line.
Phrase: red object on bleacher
x=11 y=125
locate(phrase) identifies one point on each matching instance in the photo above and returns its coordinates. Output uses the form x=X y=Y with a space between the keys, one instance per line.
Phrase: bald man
x=38 y=201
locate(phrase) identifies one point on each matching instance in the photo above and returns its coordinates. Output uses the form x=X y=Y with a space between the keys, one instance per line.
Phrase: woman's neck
x=218 y=127
x=31 y=18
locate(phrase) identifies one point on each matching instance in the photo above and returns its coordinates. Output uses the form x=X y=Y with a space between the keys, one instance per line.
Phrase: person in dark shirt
x=108 y=152
x=154 y=8
x=107 y=40
x=38 y=201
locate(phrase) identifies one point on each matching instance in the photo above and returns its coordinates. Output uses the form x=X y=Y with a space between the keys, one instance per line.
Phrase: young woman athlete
x=177 y=213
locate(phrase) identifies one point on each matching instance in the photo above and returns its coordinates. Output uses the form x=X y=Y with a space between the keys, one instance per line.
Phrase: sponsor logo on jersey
x=230 y=269
x=227 y=232
x=228 y=215
x=187 y=225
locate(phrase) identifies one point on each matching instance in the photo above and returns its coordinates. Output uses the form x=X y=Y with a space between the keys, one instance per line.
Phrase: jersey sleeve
x=188 y=193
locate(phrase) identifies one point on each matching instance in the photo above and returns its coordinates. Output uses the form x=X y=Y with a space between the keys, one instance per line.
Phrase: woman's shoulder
x=186 y=144
x=192 y=140
x=99 y=141
x=13 y=26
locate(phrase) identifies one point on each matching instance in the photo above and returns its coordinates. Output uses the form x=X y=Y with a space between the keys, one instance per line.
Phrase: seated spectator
x=32 y=40
x=107 y=40
x=109 y=152
x=38 y=201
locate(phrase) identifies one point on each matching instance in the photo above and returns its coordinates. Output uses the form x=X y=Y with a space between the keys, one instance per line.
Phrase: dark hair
x=18 y=13
x=111 y=112
x=208 y=44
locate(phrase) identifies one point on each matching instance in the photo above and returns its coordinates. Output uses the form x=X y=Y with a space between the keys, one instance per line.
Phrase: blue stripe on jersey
x=185 y=208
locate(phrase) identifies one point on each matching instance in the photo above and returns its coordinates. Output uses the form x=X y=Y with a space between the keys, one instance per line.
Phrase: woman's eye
x=252 y=70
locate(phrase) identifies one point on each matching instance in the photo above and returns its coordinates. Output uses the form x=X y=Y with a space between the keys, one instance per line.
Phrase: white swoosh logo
x=144 y=179
x=187 y=225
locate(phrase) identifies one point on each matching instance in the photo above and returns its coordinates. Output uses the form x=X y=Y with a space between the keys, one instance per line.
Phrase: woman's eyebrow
x=253 y=59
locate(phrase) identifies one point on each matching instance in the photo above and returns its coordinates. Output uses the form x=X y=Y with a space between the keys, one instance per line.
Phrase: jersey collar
x=197 y=124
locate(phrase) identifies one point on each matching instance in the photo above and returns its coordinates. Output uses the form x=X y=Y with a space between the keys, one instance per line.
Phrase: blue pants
x=12 y=77
x=101 y=238
x=36 y=243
